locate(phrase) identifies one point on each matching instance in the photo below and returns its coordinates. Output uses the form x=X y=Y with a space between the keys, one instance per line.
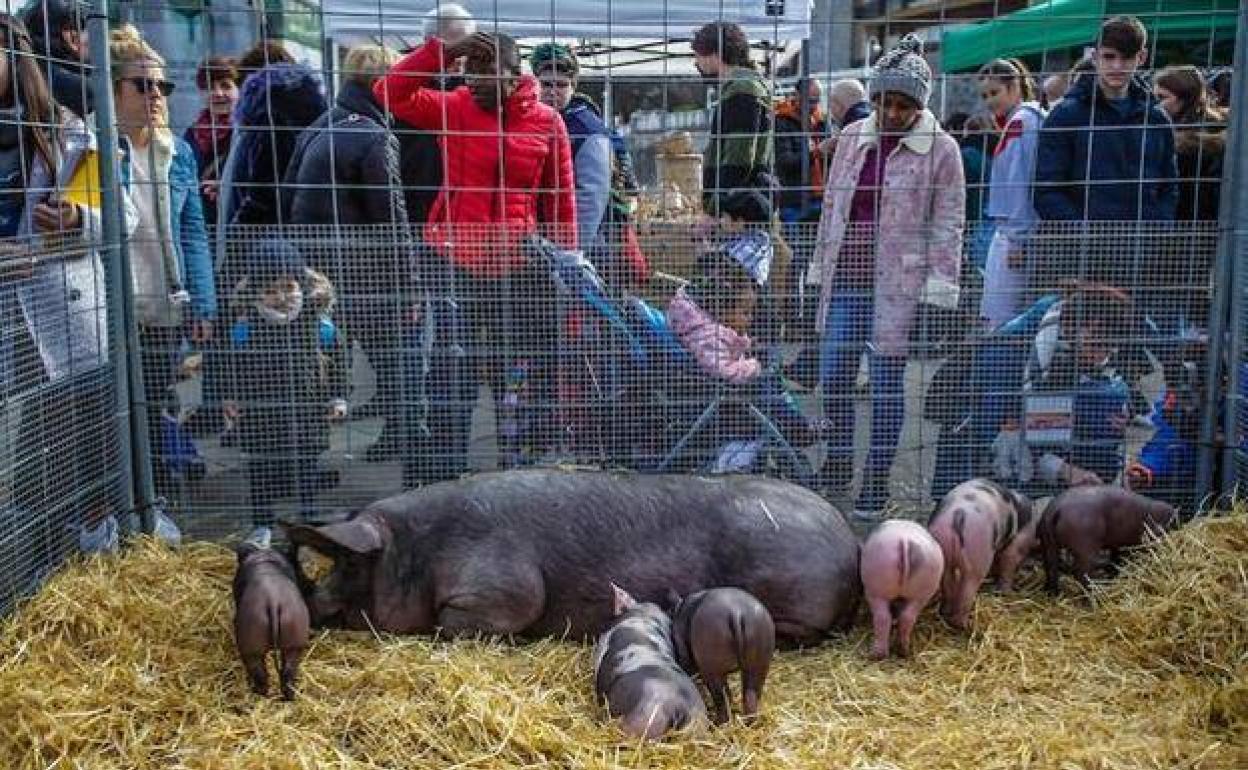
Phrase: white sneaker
x=103 y=537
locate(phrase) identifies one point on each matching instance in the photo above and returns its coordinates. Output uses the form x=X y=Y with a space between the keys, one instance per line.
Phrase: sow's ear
x=357 y=537
x=621 y=601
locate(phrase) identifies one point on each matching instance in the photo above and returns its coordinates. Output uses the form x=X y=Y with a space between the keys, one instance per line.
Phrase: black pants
x=380 y=335
x=484 y=328
x=271 y=478
x=158 y=347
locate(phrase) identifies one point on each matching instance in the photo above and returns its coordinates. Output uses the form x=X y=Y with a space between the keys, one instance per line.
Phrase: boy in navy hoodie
x=1106 y=154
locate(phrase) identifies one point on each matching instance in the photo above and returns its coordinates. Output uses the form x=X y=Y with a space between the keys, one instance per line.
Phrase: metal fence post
x=127 y=375
x=1225 y=341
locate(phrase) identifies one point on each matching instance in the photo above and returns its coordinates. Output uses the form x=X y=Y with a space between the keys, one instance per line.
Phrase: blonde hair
x=366 y=63
x=127 y=48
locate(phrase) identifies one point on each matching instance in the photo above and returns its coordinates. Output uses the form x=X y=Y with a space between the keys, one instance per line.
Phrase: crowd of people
x=453 y=172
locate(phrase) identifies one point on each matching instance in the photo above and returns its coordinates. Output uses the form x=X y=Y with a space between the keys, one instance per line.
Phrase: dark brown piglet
x=269 y=614
x=1089 y=519
x=719 y=631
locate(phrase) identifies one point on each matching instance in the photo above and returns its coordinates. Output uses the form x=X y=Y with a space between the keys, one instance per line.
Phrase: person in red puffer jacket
x=508 y=159
x=507 y=176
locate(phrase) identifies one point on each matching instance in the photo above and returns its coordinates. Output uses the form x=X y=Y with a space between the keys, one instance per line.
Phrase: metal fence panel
x=372 y=333
x=64 y=464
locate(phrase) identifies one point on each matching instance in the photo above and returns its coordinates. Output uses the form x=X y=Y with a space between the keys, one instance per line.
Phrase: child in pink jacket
x=709 y=317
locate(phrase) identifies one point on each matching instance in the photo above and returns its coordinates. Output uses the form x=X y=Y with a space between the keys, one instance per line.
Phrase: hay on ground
x=128 y=663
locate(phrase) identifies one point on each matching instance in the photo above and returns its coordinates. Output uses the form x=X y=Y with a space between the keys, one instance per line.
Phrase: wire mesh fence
x=876 y=249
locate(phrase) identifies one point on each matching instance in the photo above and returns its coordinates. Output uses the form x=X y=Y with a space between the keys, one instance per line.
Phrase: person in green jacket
x=739 y=154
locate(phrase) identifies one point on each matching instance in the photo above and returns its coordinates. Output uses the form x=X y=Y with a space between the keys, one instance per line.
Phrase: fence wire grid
x=258 y=265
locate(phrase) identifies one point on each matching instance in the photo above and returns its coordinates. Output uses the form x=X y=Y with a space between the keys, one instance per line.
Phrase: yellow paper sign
x=83 y=187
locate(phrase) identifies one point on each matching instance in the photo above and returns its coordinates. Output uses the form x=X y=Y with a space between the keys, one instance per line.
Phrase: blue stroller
x=700 y=413
x=645 y=404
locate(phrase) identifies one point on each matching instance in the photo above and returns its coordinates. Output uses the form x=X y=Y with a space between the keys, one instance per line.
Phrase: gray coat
x=63 y=303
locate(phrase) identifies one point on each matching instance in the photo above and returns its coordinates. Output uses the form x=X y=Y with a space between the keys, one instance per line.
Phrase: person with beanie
x=285 y=380
x=602 y=166
x=889 y=242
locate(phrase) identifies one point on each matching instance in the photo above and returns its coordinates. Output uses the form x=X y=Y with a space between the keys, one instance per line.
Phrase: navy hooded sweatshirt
x=1100 y=160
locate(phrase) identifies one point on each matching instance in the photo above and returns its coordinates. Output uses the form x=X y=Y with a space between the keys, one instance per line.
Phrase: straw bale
x=128 y=662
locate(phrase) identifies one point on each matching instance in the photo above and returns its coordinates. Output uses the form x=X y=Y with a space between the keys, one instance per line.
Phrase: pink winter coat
x=918 y=255
x=719 y=350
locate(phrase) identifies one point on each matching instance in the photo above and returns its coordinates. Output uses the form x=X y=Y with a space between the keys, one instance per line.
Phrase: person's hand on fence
x=201 y=332
x=231 y=410
x=337 y=410
x=55 y=215
x=1139 y=476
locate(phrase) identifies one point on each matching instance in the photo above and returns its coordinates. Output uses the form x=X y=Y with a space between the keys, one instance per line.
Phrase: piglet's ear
x=358 y=537
x=621 y=601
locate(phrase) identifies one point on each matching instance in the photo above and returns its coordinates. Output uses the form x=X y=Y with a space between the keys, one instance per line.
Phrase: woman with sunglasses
x=53 y=317
x=170 y=264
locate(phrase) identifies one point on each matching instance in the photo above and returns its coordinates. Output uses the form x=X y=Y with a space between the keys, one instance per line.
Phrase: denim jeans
x=846 y=332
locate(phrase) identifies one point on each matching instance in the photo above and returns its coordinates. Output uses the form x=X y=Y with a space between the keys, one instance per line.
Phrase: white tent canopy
x=605 y=20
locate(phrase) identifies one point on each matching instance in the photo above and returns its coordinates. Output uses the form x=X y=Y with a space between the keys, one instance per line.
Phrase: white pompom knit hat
x=903 y=70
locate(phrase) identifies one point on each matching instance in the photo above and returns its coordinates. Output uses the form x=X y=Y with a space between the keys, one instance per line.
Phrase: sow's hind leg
x=487 y=590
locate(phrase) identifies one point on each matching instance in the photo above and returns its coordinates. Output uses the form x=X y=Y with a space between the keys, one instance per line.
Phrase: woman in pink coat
x=889 y=240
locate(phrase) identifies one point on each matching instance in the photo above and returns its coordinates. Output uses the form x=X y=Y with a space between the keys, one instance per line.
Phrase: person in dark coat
x=1128 y=173
x=1106 y=154
x=58 y=32
x=1200 y=143
x=286 y=380
x=276 y=104
x=800 y=169
x=797 y=138
x=740 y=151
x=1200 y=140
x=558 y=70
x=345 y=173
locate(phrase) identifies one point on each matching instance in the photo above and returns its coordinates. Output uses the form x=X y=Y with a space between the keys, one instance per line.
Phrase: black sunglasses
x=147 y=85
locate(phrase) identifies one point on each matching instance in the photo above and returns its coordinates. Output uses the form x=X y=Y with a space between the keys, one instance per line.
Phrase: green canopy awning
x=1057 y=24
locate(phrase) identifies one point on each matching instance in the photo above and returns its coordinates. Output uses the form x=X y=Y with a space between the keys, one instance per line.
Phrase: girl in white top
x=1009 y=93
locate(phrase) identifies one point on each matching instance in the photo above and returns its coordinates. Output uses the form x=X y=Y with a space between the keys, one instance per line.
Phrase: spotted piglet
x=982 y=527
x=636 y=673
x=719 y=631
x=269 y=614
x=901 y=570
